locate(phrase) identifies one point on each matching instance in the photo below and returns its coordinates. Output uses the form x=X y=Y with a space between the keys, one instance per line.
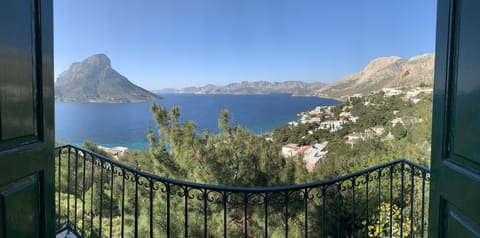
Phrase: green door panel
x=462 y=186
x=17 y=69
x=458 y=225
x=466 y=95
x=21 y=207
x=26 y=119
x=454 y=209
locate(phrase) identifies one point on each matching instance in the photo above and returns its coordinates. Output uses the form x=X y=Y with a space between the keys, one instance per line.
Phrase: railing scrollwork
x=101 y=197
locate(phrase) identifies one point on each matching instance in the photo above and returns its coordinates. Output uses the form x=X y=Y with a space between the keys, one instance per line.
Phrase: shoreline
x=284 y=108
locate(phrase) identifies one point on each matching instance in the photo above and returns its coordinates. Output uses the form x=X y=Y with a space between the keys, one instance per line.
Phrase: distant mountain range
x=94 y=80
x=383 y=72
x=256 y=87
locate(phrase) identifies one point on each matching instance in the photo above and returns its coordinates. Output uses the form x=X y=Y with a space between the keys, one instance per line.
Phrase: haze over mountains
x=382 y=72
x=94 y=80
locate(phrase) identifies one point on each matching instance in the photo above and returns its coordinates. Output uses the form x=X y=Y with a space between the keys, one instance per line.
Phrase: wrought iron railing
x=100 y=197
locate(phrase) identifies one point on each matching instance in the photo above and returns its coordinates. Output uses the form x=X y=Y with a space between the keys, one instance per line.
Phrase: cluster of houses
x=409 y=95
x=330 y=125
x=313 y=155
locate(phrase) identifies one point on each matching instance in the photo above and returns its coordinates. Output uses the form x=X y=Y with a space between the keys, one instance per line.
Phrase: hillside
x=257 y=87
x=383 y=72
x=94 y=80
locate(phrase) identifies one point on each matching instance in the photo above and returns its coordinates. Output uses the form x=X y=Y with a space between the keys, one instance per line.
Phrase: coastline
x=125 y=124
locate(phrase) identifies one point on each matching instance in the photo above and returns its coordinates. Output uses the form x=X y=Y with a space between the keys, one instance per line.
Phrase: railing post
x=367 y=218
x=324 y=201
x=150 y=213
x=353 y=205
x=101 y=199
x=224 y=201
x=68 y=187
x=391 y=200
x=83 y=193
x=136 y=207
x=245 y=214
x=168 y=209
x=305 y=197
x=122 y=232
x=402 y=203
x=91 y=195
x=59 y=187
x=205 y=195
x=286 y=214
x=111 y=198
x=186 y=192
x=424 y=177
x=412 y=189
x=266 y=213
x=76 y=185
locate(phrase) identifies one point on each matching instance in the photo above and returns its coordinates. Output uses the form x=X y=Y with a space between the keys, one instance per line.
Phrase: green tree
x=399 y=131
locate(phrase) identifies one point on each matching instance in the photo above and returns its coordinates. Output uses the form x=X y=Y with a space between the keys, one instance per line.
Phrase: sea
x=126 y=124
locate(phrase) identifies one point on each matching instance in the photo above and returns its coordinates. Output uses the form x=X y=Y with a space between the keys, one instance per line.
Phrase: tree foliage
x=237 y=157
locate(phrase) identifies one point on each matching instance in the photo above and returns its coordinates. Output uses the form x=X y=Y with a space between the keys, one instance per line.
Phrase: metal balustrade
x=100 y=197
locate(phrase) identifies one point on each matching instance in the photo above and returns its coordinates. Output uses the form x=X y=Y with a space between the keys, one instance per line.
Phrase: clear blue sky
x=178 y=43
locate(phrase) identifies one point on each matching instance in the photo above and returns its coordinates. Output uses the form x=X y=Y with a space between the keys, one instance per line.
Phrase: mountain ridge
x=379 y=73
x=383 y=72
x=255 y=87
x=94 y=80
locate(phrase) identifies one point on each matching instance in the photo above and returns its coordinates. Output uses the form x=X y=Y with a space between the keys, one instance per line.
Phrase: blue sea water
x=125 y=124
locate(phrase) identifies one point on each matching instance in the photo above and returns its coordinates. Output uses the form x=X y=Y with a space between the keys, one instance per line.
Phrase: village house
x=332 y=126
x=374 y=131
x=352 y=137
x=414 y=92
x=293 y=123
x=345 y=114
x=391 y=92
x=353 y=119
x=314 y=156
x=291 y=150
x=311 y=120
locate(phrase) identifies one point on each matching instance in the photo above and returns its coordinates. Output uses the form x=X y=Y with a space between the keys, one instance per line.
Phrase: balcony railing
x=100 y=197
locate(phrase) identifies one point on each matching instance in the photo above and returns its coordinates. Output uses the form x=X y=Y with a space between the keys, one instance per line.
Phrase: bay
x=125 y=124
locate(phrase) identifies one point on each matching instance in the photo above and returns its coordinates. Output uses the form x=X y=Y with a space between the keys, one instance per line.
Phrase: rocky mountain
x=94 y=80
x=257 y=87
x=384 y=72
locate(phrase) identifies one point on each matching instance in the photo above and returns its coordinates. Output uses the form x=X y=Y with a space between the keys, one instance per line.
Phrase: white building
x=391 y=92
x=314 y=156
x=414 y=92
x=353 y=119
x=352 y=137
x=332 y=126
x=291 y=150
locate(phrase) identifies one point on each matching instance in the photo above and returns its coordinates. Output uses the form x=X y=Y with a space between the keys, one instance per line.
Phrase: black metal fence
x=100 y=197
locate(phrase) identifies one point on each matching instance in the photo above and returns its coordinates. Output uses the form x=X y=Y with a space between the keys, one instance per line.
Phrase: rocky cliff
x=94 y=80
x=384 y=72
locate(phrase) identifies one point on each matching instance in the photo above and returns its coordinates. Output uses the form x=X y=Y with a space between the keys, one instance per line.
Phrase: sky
x=178 y=43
